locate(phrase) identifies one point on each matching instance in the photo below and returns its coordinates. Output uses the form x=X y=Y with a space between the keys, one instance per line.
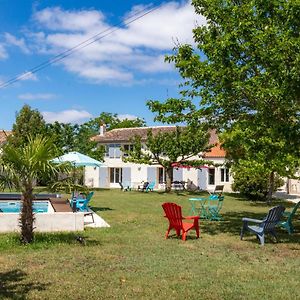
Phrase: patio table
x=199 y=207
x=207 y=208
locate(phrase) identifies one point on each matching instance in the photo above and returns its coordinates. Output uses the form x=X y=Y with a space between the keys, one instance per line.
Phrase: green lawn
x=132 y=260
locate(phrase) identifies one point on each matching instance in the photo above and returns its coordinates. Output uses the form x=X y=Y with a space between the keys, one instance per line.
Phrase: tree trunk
x=27 y=217
x=271 y=187
x=169 y=177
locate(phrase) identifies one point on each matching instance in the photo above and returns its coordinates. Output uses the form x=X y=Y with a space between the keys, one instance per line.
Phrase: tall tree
x=20 y=167
x=245 y=71
x=63 y=135
x=255 y=153
x=180 y=146
x=29 y=122
x=112 y=121
x=85 y=145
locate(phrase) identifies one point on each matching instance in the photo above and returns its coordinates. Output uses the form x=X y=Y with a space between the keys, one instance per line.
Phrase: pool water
x=15 y=206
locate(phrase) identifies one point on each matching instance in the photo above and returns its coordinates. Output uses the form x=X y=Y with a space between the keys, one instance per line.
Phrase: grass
x=132 y=260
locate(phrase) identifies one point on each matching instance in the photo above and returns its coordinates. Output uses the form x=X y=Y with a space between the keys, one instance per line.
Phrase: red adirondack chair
x=174 y=215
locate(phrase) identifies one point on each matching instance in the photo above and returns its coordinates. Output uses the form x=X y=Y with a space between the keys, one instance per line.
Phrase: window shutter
x=103 y=177
x=177 y=174
x=151 y=174
x=111 y=151
x=127 y=175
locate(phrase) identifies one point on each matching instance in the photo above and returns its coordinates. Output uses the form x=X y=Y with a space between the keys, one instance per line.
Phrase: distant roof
x=123 y=135
x=3 y=135
x=126 y=134
x=216 y=151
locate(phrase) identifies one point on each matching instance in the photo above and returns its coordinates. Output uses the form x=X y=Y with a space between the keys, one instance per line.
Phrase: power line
x=136 y=16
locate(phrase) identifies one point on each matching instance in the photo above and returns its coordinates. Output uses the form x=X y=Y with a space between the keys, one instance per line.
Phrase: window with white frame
x=115 y=175
x=224 y=175
x=114 y=150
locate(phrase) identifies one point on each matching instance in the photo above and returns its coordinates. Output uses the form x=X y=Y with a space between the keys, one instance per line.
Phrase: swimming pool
x=15 y=206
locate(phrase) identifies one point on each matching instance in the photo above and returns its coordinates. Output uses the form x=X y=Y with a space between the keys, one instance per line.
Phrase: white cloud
x=3 y=53
x=66 y=116
x=152 y=64
x=12 y=40
x=158 y=29
x=136 y=47
x=127 y=116
x=30 y=96
x=66 y=20
x=96 y=71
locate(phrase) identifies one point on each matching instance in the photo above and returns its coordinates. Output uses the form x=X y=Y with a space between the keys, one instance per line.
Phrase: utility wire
x=136 y=16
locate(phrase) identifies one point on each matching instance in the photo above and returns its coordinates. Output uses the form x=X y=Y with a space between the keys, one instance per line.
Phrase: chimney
x=102 y=129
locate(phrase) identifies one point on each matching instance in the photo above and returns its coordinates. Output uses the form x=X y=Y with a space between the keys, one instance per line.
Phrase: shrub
x=252 y=180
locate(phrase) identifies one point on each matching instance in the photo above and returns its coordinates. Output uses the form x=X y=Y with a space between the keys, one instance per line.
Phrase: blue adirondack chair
x=150 y=186
x=82 y=203
x=267 y=225
x=287 y=224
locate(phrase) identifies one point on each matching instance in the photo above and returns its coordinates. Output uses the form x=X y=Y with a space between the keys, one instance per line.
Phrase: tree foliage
x=63 y=135
x=180 y=146
x=112 y=121
x=29 y=122
x=245 y=76
x=252 y=179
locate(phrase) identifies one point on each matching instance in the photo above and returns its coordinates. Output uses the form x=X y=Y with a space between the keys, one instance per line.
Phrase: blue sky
x=117 y=74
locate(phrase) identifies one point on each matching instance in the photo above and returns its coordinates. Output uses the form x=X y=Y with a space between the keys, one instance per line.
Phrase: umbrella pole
x=74 y=181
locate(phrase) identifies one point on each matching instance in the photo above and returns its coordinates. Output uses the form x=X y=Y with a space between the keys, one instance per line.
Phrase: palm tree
x=21 y=167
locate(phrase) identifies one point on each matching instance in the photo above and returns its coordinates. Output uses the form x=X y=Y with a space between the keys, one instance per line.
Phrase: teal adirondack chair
x=150 y=186
x=288 y=223
x=82 y=204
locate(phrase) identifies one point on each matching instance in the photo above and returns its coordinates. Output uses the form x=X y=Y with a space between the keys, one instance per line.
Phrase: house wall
x=100 y=177
x=227 y=185
x=293 y=186
x=91 y=176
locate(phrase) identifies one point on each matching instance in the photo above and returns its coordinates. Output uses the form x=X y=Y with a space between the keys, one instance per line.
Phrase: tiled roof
x=122 y=135
x=3 y=135
x=125 y=134
x=216 y=151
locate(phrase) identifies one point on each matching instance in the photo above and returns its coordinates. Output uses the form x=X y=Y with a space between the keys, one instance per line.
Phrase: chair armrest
x=286 y=214
x=192 y=218
x=80 y=201
x=252 y=220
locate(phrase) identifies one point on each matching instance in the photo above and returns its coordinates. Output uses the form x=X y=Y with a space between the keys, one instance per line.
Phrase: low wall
x=18 y=196
x=45 y=222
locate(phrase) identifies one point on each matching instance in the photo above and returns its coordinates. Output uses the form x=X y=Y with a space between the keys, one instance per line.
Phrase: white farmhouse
x=114 y=170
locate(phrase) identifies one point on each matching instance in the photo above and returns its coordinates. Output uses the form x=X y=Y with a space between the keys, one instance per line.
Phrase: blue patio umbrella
x=78 y=160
